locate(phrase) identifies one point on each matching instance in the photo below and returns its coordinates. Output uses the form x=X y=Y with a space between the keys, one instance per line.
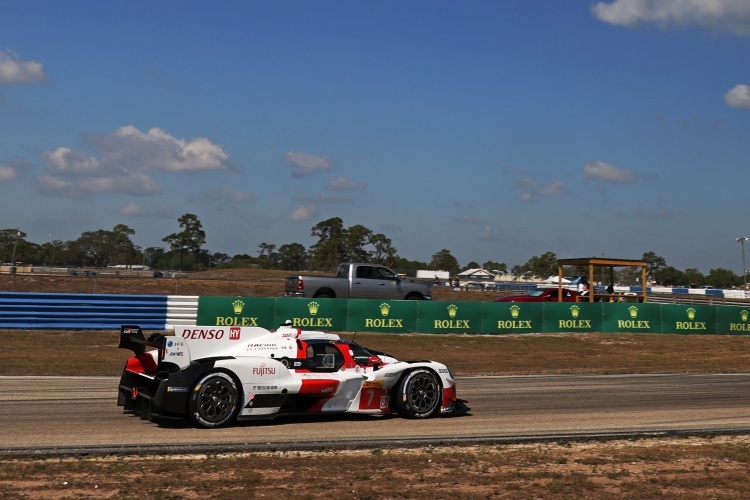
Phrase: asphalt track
x=51 y=415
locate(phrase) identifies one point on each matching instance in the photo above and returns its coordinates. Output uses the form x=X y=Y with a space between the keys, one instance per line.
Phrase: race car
x=214 y=375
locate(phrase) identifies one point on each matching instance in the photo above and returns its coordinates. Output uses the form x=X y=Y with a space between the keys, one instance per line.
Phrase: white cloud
x=7 y=172
x=307 y=164
x=531 y=189
x=738 y=96
x=14 y=70
x=471 y=219
x=134 y=184
x=731 y=16
x=601 y=171
x=131 y=210
x=64 y=160
x=128 y=147
x=304 y=212
x=121 y=162
x=346 y=184
x=230 y=195
x=326 y=199
x=492 y=233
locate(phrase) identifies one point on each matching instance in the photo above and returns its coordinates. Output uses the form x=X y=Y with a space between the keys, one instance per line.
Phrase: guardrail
x=94 y=311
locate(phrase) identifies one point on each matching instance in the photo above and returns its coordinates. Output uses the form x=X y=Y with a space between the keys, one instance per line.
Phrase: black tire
x=323 y=295
x=419 y=394
x=214 y=401
x=414 y=296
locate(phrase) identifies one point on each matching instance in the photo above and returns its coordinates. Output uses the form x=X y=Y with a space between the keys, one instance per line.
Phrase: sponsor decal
x=385 y=309
x=237 y=307
x=261 y=347
x=177 y=389
x=173 y=343
x=452 y=323
x=443 y=370
x=373 y=384
x=178 y=353
x=384 y=323
x=203 y=333
x=741 y=327
x=234 y=333
x=691 y=324
x=575 y=322
x=389 y=375
x=313 y=322
x=313 y=308
x=264 y=370
x=265 y=387
x=633 y=323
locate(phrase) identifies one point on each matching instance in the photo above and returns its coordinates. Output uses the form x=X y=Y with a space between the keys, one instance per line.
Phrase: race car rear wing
x=131 y=337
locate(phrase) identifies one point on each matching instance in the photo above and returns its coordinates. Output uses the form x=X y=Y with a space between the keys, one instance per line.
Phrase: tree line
x=335 y=244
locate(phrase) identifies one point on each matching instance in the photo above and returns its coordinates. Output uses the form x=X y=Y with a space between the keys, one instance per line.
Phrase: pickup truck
x=358 y=281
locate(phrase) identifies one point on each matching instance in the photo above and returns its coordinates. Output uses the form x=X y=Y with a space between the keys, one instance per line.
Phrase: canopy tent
x=592 y=262
x=557 y=279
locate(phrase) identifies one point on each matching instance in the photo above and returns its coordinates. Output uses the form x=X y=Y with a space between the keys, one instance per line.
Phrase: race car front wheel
x=418 y=395
x=214 y=401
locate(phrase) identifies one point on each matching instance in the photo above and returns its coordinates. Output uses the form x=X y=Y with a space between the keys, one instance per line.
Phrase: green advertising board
x=449 y=317
x=394 y=316
x=573 y=317
x=313 y=314
x=687 y=318
x=733 y=320
x=236 y=311
x=405 y=316
x=631 y=318
x=512 y=317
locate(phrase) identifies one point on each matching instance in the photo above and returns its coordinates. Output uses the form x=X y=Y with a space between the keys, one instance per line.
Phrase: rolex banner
x=236 y=311
x=394 y=316
x=407 y=316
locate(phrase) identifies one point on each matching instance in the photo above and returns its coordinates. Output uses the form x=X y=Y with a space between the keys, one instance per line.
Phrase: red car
x=542 y=295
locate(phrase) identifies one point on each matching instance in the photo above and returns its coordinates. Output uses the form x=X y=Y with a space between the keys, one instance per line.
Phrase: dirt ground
x=675 y=468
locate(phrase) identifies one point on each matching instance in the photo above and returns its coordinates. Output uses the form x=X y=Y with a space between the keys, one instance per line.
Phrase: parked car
x=542 y=295
x=215 y=375
x=358 y=281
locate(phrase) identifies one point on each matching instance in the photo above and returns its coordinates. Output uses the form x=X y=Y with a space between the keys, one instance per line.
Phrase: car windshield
x=534 y=293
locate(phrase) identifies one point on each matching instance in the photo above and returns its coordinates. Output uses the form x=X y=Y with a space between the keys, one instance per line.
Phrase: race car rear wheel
x=419 y=394
x=214 y=401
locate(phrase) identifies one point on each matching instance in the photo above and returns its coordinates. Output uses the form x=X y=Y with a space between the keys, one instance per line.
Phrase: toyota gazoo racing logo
x=264 y=370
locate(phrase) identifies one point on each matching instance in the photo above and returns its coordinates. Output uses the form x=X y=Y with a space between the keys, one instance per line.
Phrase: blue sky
x=498 y=130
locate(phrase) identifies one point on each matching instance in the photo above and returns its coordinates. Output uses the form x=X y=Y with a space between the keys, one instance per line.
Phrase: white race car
x=214 y=375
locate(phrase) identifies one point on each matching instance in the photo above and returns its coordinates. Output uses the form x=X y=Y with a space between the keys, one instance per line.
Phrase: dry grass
x=665 y=468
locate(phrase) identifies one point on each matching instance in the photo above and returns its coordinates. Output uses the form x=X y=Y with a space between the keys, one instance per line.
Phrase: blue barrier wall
x=80 y=311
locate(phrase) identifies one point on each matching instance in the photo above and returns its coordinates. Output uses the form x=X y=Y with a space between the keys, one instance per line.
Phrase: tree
x=669 y=276
x=102 y=248
x=355 y=239
x=655 y=264
x=327 y=252
x=496 y=267
x=10 y=239
x=407 y=267
x=542 y=266
x=723 y=278
x=384 y=253
x=190 y=239
x=292 y=257
x=267 y=255
x=694 y=278
x=444 y=261
x=471 y=265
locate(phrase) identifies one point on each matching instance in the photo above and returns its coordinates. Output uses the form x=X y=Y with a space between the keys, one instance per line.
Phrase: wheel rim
x=423 y=393
x=216 y=399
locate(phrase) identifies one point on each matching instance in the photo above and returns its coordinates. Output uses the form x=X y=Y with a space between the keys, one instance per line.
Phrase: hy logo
x=633 y=311
x=313 y=307
x=238 y=306
x=743 y=315
x=691 y=313
x=514 y=311
x=384 y=309
x=452 y=310
x=574 y=310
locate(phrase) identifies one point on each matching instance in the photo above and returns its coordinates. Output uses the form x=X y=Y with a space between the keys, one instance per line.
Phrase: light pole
x=742 y=241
